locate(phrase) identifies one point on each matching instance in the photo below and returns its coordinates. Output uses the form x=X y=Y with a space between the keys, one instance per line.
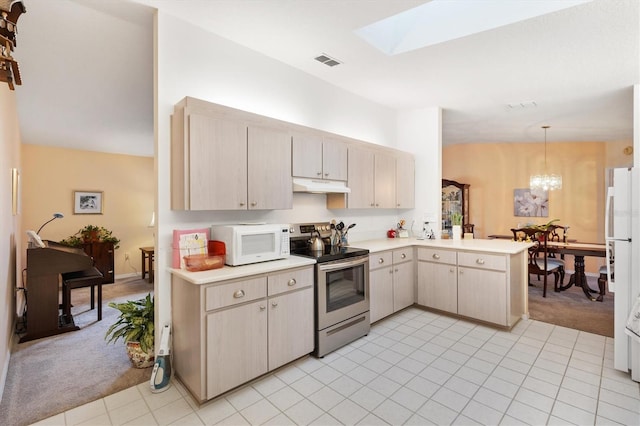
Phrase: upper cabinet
x=455 y=199
x=405 y=181
x=219 y=162
x=380 y=179
x=318 y=157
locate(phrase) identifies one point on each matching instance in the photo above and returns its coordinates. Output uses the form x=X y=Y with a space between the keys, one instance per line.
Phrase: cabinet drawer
x=437 y=255
x=234 y=293
x=403 y=255
x=290 y=280
x=380 y=260
x=496 y=262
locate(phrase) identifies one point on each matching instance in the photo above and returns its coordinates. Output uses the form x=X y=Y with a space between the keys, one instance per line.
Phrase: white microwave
x=246 y=244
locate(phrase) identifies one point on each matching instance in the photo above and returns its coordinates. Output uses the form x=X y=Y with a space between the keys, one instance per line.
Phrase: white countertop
x=232 y=272
x=480 y=245
x=378 y=245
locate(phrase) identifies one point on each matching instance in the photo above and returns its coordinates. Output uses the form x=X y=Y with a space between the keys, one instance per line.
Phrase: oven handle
x=343 y=263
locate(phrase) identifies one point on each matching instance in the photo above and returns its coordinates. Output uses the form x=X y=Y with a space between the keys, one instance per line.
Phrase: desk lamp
x=55 y=216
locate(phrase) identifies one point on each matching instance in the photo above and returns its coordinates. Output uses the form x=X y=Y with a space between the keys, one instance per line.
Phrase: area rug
x=54 y=374
x=571 y=308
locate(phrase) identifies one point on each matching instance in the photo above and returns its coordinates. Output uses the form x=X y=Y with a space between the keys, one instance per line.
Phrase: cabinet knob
x=377 y=204
x=241 y=203
x=381 y=261
x=396 y=270
x=292 y=281
x=480 y=261
x=319 y=174
x=274 y=304
x=238 y=294
x=398 y=205
x=110 y=272
x=404 y=256
x=262 y=307
x=372 y=205
x=451 y=270
x=436 y=256
x=391 y=271
x=326 y=175
x=254 y=203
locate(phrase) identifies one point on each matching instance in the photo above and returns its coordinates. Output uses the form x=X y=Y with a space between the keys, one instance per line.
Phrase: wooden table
x=579 y=251
x=147 y=257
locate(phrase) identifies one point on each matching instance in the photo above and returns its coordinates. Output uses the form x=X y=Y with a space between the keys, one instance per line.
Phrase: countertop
x=378 y=245
x=479 y=245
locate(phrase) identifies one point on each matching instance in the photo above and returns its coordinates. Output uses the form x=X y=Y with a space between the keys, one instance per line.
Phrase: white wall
x=192 y=62
x=9 y=224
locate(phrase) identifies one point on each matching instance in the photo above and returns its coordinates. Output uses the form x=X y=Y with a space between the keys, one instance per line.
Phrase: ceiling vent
x=327 y=60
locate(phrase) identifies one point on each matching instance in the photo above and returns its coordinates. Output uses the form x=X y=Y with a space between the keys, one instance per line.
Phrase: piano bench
x=87 y=278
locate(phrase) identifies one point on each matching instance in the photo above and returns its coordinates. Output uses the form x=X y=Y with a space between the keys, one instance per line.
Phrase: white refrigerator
x=620 y=218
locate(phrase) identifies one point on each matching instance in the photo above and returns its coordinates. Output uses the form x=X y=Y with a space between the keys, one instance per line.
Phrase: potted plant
x=90 y=234
x=135 y=326
x=456 y=225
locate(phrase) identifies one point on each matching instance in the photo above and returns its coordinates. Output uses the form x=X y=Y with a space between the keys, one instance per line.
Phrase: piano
x=44 y=268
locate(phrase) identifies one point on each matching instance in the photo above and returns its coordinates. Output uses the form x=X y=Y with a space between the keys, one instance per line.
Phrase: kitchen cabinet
x=319 y=157
x=405 y=181
x=220 y=162
x=391 y=282
x=455 y=199
x=228 y=333
x=103 y=259
x=371 y=178
x=479 y=285
x=437 y=279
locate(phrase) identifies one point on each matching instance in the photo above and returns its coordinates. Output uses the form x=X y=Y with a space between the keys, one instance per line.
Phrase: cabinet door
x=307 y=156
x=437 y=286
x=360 y=179
x=381 y=293
x=103 y=259
x=385 y=181
x=334 y=159
x=482 y=295
x=269 y=169
x=290 y=327
x=236 y=346
x=217 y=164
x=405 y=182
x=403 y=286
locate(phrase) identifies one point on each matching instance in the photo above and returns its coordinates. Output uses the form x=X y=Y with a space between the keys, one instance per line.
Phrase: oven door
x=342 y=290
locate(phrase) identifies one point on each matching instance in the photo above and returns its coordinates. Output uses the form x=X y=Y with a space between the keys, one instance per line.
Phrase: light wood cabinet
x=479 y=285
x=220 y=162
x=236 y=346
x=371 y=178
x=437 y=279
x=228 y=333
x=391 y=282
x=405 y=181
x=269 y=184
x=318 y=157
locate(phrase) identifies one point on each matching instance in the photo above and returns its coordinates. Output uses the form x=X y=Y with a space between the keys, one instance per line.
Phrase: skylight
x=442 y=20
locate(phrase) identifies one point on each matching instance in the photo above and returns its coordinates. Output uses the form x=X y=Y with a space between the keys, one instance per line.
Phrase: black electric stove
x=301 y=233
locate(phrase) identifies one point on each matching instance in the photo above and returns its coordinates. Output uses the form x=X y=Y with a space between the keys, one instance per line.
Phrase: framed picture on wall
x=530 y=203
x=87 y=202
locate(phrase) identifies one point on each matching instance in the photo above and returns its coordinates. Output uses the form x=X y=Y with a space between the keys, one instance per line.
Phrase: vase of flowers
x=456 y=226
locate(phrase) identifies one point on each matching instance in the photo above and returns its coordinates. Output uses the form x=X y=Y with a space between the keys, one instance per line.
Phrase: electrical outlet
x=126 y=256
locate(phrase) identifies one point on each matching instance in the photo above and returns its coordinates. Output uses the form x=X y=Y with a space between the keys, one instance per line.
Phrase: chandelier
x=545 y=181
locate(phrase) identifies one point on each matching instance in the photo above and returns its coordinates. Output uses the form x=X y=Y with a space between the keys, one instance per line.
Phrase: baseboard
x=122 y=276
x=5 y=367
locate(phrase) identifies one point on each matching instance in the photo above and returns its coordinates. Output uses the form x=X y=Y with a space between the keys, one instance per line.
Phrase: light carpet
x=54 y=374
x=571 y=308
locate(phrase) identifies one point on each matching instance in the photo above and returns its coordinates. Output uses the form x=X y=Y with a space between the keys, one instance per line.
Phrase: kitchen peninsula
x=233 y=324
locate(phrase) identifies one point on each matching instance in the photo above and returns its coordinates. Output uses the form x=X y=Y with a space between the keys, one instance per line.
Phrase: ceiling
x=91 y=86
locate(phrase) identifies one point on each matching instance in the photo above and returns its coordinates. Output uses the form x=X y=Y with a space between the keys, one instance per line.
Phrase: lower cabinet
x=479 y=285
x=103 y=258
x=241 y=330
x=391 y=282
x=437 y=279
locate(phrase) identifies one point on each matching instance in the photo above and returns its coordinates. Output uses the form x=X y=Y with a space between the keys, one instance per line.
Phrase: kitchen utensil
x=349 y=227
x=316 y=243
x=340 y=226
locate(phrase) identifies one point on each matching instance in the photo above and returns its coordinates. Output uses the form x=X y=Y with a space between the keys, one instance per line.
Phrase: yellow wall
x=49 y=177
x=494 y=170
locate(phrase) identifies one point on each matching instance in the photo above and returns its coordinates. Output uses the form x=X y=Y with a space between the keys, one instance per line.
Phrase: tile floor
x=415 y=367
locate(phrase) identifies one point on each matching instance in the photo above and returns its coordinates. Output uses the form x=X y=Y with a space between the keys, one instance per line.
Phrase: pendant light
x=545 y=181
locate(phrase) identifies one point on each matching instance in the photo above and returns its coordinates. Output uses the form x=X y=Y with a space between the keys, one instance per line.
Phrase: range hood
x=320 y=186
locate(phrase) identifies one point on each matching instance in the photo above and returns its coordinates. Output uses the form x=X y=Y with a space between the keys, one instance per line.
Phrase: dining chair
x=539 y=262
x=554 y=235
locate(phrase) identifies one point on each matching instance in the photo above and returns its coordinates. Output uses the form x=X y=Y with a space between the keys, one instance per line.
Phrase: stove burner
x=301 y=234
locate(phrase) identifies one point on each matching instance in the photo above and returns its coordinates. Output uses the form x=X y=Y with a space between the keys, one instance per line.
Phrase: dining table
x=579 y=250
